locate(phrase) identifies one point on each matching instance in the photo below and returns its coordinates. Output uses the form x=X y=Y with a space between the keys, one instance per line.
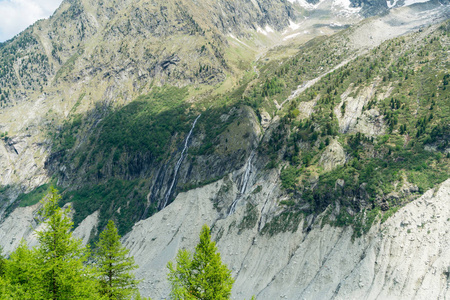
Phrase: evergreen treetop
x=201 y=275
x=114 y=265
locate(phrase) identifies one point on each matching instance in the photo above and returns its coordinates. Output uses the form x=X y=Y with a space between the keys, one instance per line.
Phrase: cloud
x=17 y=15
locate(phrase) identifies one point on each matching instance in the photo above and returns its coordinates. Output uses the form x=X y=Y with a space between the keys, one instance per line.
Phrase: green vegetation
x=145 y=125
x=114 y=265
x=406 y=93
x=250 y=218
x=34 y=196
x=288 y=220
x=128 y=144
x=120 y=200
x=201 y=275
x=389 y=213
x=289 y=177
x=58 y=267
x=33 y=69
x=55 y=269
x=279 y=78
x=411 y=153
x=68 y=65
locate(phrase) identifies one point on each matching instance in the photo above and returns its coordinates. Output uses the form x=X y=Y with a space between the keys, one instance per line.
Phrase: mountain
x=296 y=130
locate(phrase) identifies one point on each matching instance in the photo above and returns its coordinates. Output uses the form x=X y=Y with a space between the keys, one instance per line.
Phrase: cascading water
x=248 y=170
x=178 y=165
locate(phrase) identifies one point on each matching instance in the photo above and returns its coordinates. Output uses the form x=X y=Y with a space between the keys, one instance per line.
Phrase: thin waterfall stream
x=248 y=170
x=180 y=160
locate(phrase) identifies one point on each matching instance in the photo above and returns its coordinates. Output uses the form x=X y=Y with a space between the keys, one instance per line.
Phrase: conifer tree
x=202 y=275
x=9 y=291
x=19 y=276
x=61 y=258
x=114 y=265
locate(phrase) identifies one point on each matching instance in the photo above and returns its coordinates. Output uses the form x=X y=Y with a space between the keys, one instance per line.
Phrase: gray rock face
x=17 y=226
x=406 y=257
x=333 y=156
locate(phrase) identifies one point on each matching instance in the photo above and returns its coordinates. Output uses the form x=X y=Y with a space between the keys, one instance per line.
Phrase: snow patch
x=306 y=5
x=411 y=2
x=391 y=4
x=335 y=24
x=345 y=6
x=260 y=30
x=264 y=31
x=291 y=36
x=268 y=28
x=238 y=40
x=293 y=26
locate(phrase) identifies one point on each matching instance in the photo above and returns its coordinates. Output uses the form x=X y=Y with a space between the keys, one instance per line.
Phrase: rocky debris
x=409 y=188
x=352 y=115
x=404 y=258
x=351 y=108
x=306 y=108
x=391 y=261
x=333 y=156
x=265 y=119
x=384 y=205
x=23 y=221
x=19 y=162
x=339 y=183
x=17 y=226
x=370 y=123
x=87 y=228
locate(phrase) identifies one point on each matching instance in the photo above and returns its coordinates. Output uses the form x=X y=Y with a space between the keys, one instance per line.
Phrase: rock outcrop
x=333 y=156
x=407 y=257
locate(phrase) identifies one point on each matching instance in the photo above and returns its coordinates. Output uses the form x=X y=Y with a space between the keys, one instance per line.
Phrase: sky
x=16 y=15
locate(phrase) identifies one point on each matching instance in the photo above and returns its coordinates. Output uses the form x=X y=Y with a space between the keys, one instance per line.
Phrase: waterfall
x=246 y=177
x=180 y=160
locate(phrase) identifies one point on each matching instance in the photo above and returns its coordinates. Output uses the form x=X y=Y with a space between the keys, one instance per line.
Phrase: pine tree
x=61 y=258
x=114 y=265
x=201 y=276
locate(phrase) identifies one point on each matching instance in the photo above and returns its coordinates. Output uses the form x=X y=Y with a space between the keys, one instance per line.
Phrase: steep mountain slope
x=90 y=58
x=98 y=150
x=406 y=257
x=254 y=126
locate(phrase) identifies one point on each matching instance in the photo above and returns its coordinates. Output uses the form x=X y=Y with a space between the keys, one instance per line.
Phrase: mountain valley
x=311 y=136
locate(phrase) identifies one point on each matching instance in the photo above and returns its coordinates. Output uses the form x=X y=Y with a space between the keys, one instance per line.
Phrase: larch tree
x=61 y=258
x=117 y=281
x=19 y=276
x=201 y=275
